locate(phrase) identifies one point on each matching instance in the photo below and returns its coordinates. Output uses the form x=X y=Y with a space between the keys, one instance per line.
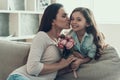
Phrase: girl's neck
x=80 y=35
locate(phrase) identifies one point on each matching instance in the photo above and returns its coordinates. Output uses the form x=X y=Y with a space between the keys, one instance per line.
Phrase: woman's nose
x=68 y=18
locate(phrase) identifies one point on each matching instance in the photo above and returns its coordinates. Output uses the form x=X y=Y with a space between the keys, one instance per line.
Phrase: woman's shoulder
x=41 y=33
x=41 y=36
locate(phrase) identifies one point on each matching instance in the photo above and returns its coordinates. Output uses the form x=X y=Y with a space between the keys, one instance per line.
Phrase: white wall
x=112 y=34
x=3 y=4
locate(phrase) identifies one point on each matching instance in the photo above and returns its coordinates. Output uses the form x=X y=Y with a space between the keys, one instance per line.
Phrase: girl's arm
x=75 y=65
x=85 y=60
x=78 y=55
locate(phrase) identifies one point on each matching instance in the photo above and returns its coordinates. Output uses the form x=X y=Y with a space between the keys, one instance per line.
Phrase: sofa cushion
x=106 y=68
x=12 y=55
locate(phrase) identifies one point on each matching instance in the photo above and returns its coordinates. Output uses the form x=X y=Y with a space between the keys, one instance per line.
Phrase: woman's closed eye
x=64 y=15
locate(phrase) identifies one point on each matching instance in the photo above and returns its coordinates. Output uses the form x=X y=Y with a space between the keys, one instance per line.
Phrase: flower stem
x=75 y=74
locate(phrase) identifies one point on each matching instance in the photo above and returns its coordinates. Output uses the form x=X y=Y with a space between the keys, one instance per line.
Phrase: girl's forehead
x=77 y=13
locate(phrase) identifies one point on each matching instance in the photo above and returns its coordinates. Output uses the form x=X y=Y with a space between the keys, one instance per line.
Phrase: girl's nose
x=73 y=21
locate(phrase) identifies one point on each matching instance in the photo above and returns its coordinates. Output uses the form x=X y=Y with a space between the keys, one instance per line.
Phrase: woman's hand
x=65 y=62
x=48 y=68
x=75 y=64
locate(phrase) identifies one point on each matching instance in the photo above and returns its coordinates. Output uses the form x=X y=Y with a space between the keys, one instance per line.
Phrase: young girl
x=89 y=41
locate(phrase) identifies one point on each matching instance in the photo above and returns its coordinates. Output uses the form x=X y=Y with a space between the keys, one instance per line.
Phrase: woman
x=44 y=57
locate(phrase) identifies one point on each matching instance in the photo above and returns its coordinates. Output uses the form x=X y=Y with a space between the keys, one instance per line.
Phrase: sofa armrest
x=12 y=55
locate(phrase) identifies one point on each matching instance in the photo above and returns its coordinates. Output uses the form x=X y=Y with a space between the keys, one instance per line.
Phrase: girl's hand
x=75 y=64
x=78 y=55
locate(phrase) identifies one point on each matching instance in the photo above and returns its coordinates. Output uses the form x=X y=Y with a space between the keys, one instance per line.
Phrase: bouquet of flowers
x=66 y=43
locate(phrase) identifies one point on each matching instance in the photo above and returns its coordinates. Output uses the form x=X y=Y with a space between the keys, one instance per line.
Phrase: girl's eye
x=78 y=19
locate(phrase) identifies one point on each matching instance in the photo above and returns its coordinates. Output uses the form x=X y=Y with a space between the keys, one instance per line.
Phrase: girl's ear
x=87 y=25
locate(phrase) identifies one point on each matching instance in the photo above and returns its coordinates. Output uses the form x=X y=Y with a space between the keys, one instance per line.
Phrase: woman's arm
x=38 y=46
x=48 y=68
x=34 y=64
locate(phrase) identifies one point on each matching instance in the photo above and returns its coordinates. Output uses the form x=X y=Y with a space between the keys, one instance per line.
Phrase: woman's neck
x=53 y=34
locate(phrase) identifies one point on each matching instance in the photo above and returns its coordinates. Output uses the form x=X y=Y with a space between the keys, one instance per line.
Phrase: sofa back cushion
x=12 y=55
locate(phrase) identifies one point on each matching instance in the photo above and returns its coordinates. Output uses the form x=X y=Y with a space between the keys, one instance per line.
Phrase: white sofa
x=14 y=54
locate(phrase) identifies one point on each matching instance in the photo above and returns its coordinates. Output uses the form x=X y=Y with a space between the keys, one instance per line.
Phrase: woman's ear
x=53 y=23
